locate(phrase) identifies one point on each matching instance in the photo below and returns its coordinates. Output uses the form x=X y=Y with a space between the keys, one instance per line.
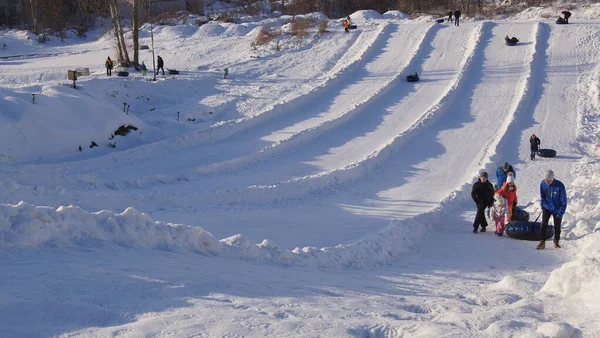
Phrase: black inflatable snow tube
x=412 y=78
x=173 y=71
x=123 y=74
x=546 y=152
x=519 y=215
x=561 y=21
x=511 y=43
x=352 y=27
x=440 y=20
x=528 y=231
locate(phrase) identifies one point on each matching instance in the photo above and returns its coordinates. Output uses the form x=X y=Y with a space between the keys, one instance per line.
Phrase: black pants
x=108 y=72
x=159 y=68
x=557 y=221
x=450 y=18
x=456 y=21
x=480 y=217
x=533 y=152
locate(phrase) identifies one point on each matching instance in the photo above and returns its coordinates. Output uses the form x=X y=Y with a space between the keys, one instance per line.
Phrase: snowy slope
x=316 y=193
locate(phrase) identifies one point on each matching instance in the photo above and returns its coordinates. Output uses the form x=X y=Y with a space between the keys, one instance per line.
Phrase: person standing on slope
x=534 y=145
x=143 y=68
x=554 y=202
x=502 y=174
x=483 y=196
x=509 y=192
x=450 y=16
x=456 y=17
x=346 y=26
x=109 y=66
x=499 y=214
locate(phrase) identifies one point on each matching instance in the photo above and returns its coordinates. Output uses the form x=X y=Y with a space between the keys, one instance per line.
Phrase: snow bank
x=62 y=120
x=583 y=12
x=364 y=16
x=26 y=226
x=395 y=15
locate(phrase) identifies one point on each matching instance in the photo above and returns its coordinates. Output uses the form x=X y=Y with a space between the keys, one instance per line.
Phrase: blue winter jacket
x=501 y=176
x=554 y=197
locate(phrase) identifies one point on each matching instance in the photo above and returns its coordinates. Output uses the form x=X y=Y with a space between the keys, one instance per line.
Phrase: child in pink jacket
x=499 y=213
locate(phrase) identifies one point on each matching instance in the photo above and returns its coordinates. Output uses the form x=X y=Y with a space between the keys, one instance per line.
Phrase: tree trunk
x=136 y=32
x=120 y=35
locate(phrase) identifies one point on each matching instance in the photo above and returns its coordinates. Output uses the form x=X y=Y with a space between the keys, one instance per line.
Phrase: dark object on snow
x=123 y=74
x=173 y=71
x=511 y=41
x=93 y=144
x=528 y=231
x=112 y=145
x=546 y=153
x=80 y=148
x=519 y=215
x=561 y=21
x=412 y=77
x=440 y=20
x=191 y=119
x=137 y=68
x=143 y=47
x=352 y=27
x=124 y=130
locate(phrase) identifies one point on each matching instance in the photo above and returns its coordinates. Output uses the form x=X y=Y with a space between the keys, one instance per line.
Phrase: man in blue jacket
x=502 y=174
x=554 y=202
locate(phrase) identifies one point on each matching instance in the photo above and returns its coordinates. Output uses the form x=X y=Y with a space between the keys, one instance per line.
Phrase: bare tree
x=119 y=34
x=135 y=21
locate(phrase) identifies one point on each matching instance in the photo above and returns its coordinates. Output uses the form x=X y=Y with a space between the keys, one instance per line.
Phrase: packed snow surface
x=311 y=192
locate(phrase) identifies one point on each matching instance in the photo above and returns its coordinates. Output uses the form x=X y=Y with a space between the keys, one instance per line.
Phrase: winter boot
x=474 y=230
x=556 y=245
x=541 y=246
x=482 y=229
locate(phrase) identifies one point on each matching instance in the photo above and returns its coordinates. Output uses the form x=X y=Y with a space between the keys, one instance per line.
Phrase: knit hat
x=549 y=175
x=505 y=166
x=510 y=179
x=483 y=174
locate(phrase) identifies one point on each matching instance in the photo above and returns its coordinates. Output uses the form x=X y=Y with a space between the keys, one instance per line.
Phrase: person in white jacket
x=499 y=214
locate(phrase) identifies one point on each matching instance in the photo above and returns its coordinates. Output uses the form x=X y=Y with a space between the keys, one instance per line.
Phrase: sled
x=546 y=153
x=123 y=74
x=352 y=27
x=412 y=78
x=173 y=72
x=528 y=231
x=561 y=21
x=519 y=215
x=511 y=43
x=440 y=20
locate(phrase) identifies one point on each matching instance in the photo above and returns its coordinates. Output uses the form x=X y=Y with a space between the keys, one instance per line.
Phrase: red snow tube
x=528 y=231
x=546 y=152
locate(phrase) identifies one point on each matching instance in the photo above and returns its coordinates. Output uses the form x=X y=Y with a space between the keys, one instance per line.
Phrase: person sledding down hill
x=511 y=41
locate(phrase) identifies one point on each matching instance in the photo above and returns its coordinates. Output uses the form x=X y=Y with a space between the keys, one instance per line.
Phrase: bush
x=299 y=27
x=265 y=35
x=323 y=26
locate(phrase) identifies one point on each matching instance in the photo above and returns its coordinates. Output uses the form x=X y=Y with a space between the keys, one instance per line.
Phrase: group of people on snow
x=160 y=64
x=454 y=17
x=501 y=199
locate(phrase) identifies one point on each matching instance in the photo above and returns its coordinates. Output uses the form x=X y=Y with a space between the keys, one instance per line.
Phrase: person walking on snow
x=450 y=16
x=554 y=203
x=143 y=68
x=483 y=196
x=509 y=192
x=109 y=66
x=160 y=64
x=502 y=174
x=499 y=214
x=534 y=145
x=456 y=17
x=346 y=26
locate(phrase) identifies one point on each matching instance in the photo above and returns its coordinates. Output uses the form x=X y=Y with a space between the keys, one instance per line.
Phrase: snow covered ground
x=312 y=193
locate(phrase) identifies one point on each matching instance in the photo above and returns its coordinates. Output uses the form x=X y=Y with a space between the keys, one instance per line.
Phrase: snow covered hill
x=314 y=192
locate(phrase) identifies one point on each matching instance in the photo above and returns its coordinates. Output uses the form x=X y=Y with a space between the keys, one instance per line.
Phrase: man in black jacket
x=160 y=64
x=483 y=196
x=567 y=15
x=456 y=17
x=534 y=145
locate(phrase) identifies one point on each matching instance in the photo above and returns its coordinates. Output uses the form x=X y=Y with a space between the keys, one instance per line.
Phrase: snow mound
x=557 y=330
x=62 y=120
x=580 y=276
x=365 y=15
x=585 y=12
x=395 y=15
x=211 y=28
